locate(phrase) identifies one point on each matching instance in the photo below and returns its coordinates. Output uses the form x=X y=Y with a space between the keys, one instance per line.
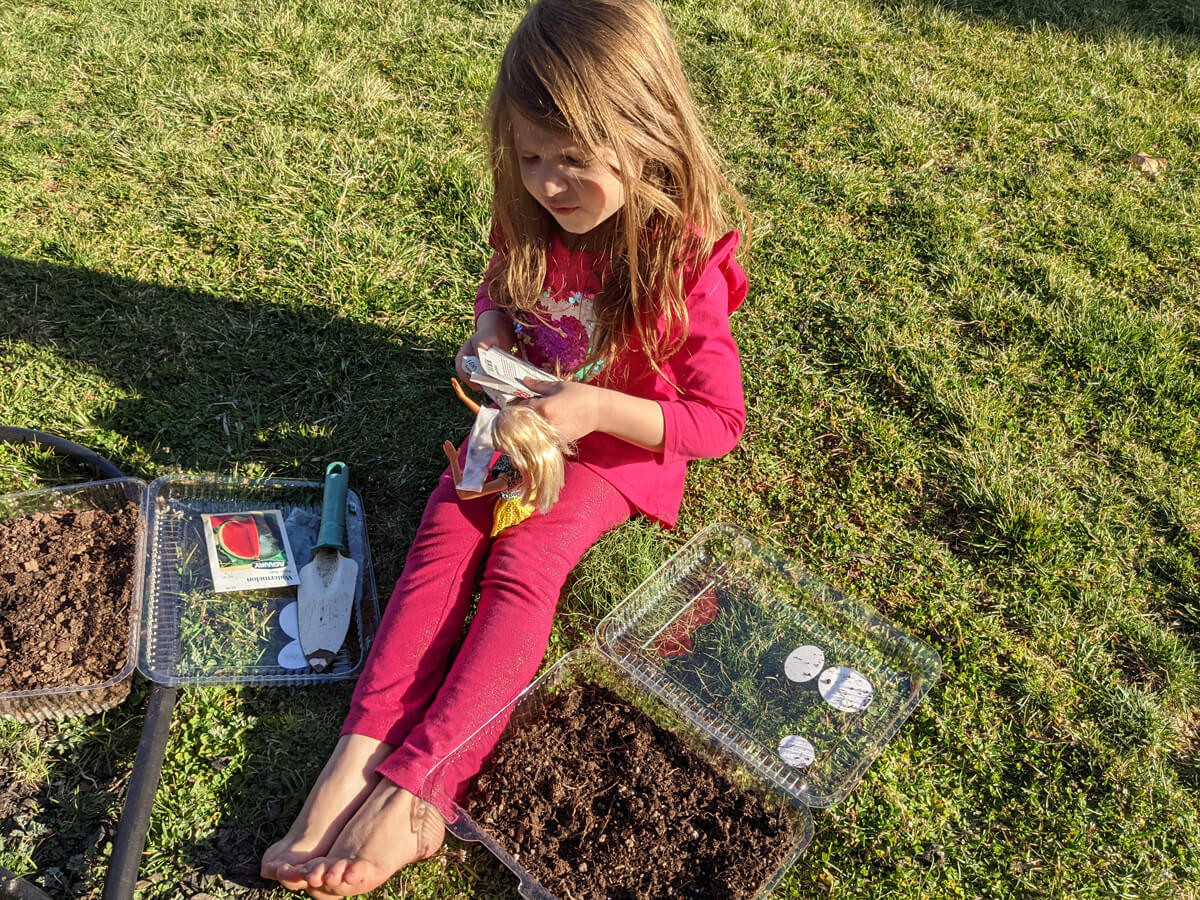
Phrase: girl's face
x=579 y=192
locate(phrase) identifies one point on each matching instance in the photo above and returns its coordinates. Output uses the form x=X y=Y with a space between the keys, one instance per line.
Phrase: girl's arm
x=706 y=416
x=493 y=328
x=707 y=419
x=578 y=409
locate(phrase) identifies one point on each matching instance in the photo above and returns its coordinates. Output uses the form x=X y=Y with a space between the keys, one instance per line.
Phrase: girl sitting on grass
x=613 y=265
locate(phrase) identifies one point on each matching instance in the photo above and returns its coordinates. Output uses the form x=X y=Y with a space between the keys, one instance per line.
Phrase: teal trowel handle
x=333 y=509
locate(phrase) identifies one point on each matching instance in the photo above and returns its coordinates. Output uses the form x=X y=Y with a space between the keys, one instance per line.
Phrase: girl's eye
x=575 y=162
x=528 y=158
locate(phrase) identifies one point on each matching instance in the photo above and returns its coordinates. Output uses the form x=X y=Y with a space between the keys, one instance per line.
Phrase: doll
x=529 y=473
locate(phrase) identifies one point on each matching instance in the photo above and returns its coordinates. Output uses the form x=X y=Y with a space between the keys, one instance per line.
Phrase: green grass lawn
x=244 y=237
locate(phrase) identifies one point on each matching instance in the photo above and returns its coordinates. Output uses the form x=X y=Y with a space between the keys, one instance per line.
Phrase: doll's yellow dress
x=510 y=509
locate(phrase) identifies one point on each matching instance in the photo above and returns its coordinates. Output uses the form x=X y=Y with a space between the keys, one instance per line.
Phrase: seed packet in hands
x=502 y=376
x=249 y=551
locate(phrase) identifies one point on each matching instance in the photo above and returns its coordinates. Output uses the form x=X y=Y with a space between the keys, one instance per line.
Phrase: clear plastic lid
x=800 y=683
x=192 y=634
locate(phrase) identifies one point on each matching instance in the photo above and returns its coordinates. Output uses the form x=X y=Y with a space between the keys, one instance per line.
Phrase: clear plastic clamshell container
x=36 y=704
x=791 y=683
x=187 y=633
x=715 y=634
x=192 y=635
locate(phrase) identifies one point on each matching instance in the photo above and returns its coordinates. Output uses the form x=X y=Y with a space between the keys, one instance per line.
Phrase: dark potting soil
x=66 y=582
x=598 y=801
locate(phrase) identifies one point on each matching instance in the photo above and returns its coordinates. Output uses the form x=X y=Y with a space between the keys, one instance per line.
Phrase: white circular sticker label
x=804 y=663
x=796 y=751
x=289 y=620
x=292 y=657
x=845 y=689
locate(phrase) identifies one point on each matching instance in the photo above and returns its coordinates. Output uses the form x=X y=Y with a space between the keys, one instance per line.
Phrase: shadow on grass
x=260 y=790
x=1176 y=22
x=173 y=378
x=189 y=380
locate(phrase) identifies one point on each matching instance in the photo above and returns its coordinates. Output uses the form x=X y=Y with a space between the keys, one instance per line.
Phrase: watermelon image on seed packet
x=249 y=550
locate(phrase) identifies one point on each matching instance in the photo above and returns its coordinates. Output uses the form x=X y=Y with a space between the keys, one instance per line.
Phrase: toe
x=314 y=873
x=335 y=875
x=270 y=863
x=358 y=872
x=289 y=874
x=292 y=878
x=288 y=865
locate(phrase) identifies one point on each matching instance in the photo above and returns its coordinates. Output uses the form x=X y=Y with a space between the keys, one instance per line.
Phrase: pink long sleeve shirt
x=703 y=418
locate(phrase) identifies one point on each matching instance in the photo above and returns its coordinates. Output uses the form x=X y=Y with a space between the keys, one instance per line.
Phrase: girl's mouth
x=563 y=210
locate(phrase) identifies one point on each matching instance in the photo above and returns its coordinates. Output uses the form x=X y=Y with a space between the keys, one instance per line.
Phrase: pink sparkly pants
x=409 y=696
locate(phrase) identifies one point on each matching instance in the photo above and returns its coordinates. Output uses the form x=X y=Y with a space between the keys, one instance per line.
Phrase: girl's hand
x=577 y=409
x=493 y=329
x=570 y=406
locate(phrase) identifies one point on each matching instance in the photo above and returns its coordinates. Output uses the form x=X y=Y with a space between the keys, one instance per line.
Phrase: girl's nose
x=553 y=183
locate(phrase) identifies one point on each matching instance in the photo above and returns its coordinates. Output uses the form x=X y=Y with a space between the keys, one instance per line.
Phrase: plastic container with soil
x=74 y=600
x=193 y=635
x=174 y=628
x=795 y=687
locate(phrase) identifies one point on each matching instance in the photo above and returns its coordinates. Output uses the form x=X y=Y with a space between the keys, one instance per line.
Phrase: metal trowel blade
x=324 y=602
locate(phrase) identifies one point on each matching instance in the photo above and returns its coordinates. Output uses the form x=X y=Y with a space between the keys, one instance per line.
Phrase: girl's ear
x=634 y=162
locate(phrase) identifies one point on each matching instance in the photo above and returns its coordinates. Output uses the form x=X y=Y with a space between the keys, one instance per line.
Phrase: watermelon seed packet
x=249 y=550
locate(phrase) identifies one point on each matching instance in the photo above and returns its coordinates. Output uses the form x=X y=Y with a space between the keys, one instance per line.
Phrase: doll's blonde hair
x=535 y=447
x=606 y=74
x=538 y=451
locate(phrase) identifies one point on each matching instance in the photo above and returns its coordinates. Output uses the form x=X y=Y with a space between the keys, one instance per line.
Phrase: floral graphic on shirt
x=556 y=333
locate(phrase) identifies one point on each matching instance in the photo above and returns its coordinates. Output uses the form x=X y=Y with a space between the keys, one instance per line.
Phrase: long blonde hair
x=538 y=451
x=606 y=73
x=535 y=447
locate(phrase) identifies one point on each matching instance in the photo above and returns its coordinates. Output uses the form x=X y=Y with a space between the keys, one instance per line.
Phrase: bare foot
x=391 y=829
x=345 y=782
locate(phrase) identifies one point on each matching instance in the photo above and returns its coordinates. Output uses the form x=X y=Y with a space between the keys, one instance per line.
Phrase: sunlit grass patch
x=241 y=238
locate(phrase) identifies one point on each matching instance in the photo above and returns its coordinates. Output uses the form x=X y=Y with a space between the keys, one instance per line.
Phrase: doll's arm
x=467 y=401
x=491 y=487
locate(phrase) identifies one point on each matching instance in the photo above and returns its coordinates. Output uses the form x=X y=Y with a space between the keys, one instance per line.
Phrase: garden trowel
x=326 y=594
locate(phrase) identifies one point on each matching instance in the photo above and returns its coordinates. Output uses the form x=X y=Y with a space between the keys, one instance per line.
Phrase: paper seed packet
x=249 y=551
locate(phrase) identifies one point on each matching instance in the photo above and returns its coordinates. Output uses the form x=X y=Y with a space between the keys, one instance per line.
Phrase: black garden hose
x=147 y=766
x=14 y=887
x=11 y=435
x=139 y=800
